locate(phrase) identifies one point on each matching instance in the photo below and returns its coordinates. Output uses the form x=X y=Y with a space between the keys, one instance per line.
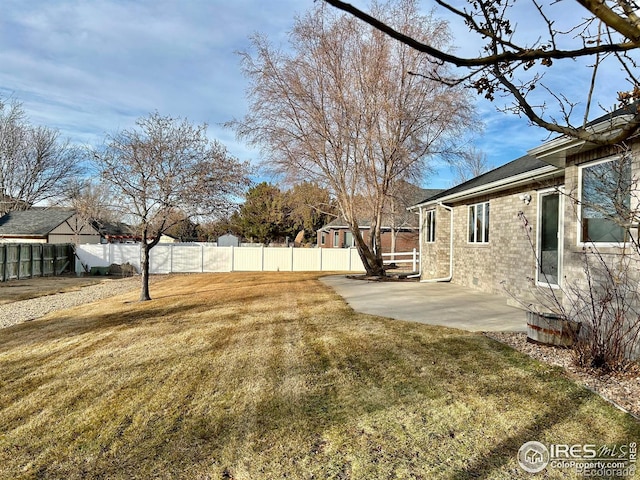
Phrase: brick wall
x=575 y=253
x=506 y=264
x=406 y=241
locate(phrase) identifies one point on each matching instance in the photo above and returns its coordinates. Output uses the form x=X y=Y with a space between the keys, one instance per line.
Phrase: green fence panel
x=62 y=260
x=48 y=260
x=12 y=262
x=25 y=257
x=36 y=260
x=29 y=260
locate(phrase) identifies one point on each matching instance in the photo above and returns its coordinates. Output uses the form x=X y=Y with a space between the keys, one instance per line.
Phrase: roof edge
x=539 y=173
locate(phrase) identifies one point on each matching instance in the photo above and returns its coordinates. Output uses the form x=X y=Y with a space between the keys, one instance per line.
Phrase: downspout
x=450 y=276
x=417 y=275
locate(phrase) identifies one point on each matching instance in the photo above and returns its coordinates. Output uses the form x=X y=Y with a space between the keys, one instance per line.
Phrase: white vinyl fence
x=203 y=257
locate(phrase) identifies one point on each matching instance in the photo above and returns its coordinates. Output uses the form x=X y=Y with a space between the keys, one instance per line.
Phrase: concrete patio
x=443 y=304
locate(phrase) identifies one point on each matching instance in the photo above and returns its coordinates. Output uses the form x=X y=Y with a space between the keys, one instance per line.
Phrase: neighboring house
x=116 y=232
x=46 y=225
x=521 y=229
x=399 y=232
x=337 y=234
x=58 y=225
x=166 y=238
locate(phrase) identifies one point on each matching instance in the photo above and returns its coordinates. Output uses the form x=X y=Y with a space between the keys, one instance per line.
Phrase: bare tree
x=397 y=216
x=472 y=164
x=91 y=200
x=603 y=34
x=165 y=165
x=342 y=110
x=36 y=165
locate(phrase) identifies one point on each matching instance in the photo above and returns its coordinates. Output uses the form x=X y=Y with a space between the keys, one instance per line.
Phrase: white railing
x=205 y=257
x=413 y=258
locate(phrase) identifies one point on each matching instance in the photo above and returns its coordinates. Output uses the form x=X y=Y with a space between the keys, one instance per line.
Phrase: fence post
x=42 y=261
x=414 y=259
x=320 y=252
x=3 y=265
x=233 y=260
x=19 y=260
x=291 y=258
x=262 y=258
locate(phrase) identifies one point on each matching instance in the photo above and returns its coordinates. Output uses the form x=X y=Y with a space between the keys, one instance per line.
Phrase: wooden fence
x=27 y=260
x=203 y=257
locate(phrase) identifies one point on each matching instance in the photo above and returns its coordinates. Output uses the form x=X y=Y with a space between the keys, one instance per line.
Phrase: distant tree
x=90 y=200
x=163 y=165
x=339 y=108
x=210 y=231
x=310 y=207
x=264 y=216
x=471 y=164
x=402 y=195
x=182 y=227
x=36 y=164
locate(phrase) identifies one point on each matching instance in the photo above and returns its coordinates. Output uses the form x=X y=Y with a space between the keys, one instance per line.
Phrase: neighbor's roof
x=113 y=228
x=36 y=222
x=523 y=168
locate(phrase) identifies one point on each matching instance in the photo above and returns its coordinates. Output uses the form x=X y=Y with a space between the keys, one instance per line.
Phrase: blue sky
x=89 y=68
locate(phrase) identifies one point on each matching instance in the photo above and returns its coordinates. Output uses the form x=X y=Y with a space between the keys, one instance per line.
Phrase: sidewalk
x=441 y=304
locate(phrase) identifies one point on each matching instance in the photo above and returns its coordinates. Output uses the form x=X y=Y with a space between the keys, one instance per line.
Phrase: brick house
x=337 y=234
x=521 y=229
x=399 y=233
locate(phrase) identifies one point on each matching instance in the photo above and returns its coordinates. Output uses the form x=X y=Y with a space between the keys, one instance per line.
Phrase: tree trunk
x=371 y=257
x=144 y=267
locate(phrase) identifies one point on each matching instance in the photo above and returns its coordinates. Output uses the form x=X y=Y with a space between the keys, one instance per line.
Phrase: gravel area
x=620 y=389
x=25 y=310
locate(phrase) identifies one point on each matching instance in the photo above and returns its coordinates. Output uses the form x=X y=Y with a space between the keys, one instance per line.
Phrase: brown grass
x=252 y=376
x=16 y=290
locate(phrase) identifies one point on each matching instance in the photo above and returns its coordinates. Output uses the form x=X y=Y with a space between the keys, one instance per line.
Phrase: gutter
x=450 y=276
x=523 y=178
x=419 y=274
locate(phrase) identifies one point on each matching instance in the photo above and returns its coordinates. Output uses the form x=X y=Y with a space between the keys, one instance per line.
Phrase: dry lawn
x=270 y=376
x=16 y=290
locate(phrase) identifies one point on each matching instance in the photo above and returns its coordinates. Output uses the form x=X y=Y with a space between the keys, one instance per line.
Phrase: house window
x=430 y=226
x=479 y=223
x=348 y=239
x=605 y=201
x=336 y=239
x=323 y=238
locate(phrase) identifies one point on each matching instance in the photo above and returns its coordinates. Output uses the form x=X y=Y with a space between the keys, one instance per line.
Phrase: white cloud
x=91 y=68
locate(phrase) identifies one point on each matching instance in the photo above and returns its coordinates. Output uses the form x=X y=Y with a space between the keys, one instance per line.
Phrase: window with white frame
x=336 y=238
x=348 y=239
x=323 y=238
x=430 y=226
x=479 y=223
x=605 y=201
